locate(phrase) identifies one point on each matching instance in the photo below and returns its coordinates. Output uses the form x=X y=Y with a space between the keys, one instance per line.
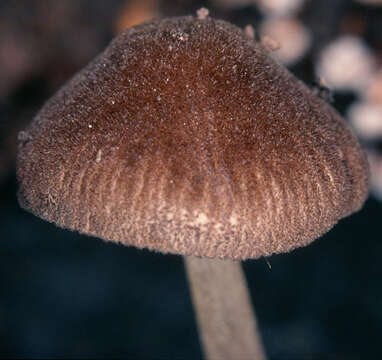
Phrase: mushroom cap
x=185 y=137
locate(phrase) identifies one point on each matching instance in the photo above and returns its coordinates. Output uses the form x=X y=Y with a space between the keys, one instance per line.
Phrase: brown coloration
x=269 y=43
x=202 y=13
x=208 y=147
x=136 y=12
x=249 y=31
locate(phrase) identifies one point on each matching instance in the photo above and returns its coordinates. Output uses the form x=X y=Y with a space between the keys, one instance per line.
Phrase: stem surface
x=226 y=321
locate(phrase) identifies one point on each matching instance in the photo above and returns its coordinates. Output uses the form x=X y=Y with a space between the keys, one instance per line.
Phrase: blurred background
x=64 y=295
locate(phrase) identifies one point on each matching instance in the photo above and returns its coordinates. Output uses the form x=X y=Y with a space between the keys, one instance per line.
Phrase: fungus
x=185 y=137
x=346 y=63
x=135 y=12
x=293 y=37
x=366 y=119
x=277 y=8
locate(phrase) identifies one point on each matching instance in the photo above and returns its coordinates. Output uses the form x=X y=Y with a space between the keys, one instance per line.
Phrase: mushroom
x=185 y=137
x=347 y=63
x=293 y=37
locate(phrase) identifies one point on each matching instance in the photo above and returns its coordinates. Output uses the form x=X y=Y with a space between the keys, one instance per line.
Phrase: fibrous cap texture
x=185 y=137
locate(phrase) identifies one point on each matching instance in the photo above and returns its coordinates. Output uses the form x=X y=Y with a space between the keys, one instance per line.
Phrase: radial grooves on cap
x=110 y=200
x=76 y=187
x=208 y=147
x=62 y=192
x=102 y=199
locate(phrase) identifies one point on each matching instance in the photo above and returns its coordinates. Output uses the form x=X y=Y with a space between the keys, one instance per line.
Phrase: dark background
x=64 y=295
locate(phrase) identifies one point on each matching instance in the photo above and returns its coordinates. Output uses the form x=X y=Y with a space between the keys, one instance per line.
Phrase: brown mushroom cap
x=184 y=136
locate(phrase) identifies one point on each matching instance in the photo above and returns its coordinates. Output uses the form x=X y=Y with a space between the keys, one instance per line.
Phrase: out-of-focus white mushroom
x=366 y=119
x=279 y=7
x=292 y=36
x=346 y=64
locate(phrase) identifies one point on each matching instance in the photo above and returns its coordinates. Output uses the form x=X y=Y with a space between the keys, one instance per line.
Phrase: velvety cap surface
x=185 y=137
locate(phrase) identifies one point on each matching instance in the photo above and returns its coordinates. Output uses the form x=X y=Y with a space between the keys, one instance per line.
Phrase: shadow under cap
x=184 y=136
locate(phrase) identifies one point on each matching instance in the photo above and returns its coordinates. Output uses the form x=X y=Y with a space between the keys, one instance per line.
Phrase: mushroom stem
x=226 y=321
